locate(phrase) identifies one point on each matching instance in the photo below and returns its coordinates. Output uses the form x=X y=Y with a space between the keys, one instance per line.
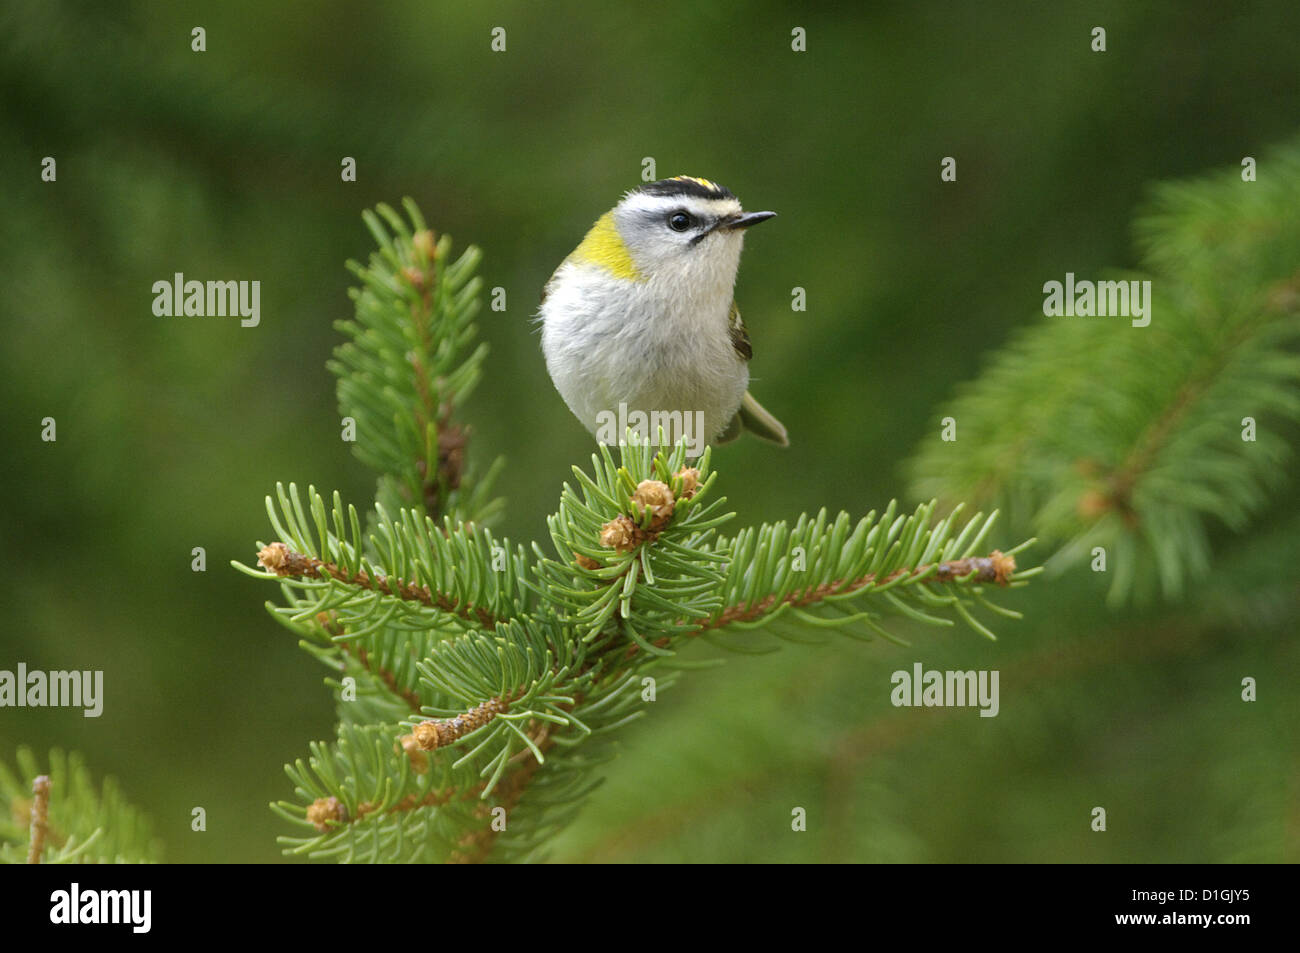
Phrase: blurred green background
x=225 y=164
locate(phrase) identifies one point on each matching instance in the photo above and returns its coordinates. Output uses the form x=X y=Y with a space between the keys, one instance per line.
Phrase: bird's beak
x=746 y=219
x=733 y=223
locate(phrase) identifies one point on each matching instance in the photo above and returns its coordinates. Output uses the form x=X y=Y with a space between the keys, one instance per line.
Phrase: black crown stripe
x=685 y=185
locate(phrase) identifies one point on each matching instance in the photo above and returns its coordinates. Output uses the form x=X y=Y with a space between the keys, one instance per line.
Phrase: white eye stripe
x=641 y=204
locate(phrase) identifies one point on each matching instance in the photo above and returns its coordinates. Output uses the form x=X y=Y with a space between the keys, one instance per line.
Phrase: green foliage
x=401 y=381
x=220 y=165
x=1089 y=432
x=524 y=663
x=85 y=826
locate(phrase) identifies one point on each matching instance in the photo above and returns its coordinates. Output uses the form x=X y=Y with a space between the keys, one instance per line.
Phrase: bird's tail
x=760 y=423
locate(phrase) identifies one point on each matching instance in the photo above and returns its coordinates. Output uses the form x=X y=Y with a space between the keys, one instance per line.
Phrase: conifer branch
x=1143 y=464
x=429 y=735
x=997 y=568
x=409 y=364
x=62 y=817
x=497 y=677
x=476 y=846
x=282 y=561
x=40 y=818
x=389 y=679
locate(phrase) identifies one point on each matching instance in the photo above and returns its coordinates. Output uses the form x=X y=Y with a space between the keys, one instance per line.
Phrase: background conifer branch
x=1145 y=464
x=58 y=816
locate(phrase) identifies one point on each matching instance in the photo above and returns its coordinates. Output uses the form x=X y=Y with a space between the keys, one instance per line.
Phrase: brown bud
x=618 y=534
x=586 y=562
x=654 y=496
x=414 y=275
x=690 y=478
x=273 y=557
x=426 y=735
x=1004 y=567
x=325 y=811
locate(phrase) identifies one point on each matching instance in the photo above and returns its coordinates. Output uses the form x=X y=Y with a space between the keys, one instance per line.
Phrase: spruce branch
x=429 y=735
x=997 y=567
x=491 y=681
x=387 y=677
x=59 y=817
x=321 y=560
x=410 y=364
x=1147 y=464
x=279 y=559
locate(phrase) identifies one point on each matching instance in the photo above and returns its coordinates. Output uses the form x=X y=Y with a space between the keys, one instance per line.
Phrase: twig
x=283 y=561
x=40 y=818
x=997 y=567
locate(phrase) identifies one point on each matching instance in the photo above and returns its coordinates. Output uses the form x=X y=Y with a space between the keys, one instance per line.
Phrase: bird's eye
x=679 y=221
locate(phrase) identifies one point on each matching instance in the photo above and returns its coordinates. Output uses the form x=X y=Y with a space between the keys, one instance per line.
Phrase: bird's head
x=679 y=227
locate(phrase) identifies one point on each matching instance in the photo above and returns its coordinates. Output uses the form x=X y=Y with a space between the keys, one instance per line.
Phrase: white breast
x=652 y=345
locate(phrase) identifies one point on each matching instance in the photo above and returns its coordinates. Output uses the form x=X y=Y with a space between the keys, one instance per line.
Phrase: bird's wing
x=739 y=336
x=751 y=415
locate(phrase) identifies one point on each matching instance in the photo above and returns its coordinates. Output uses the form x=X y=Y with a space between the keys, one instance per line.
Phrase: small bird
x=642 y=313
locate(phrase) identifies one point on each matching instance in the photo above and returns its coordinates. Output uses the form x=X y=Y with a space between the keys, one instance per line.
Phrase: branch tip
x=40 y=823
x=278 y=559
x=997 y=567
x=433 y=734
x=651 y=497
x=324 y=812
x=619 y=534
x=654 y=497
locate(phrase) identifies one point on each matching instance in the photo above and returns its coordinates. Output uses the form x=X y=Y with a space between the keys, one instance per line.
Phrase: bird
x=642 y=316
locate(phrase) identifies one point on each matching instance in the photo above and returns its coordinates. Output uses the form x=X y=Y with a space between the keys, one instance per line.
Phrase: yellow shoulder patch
x=604 y=248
